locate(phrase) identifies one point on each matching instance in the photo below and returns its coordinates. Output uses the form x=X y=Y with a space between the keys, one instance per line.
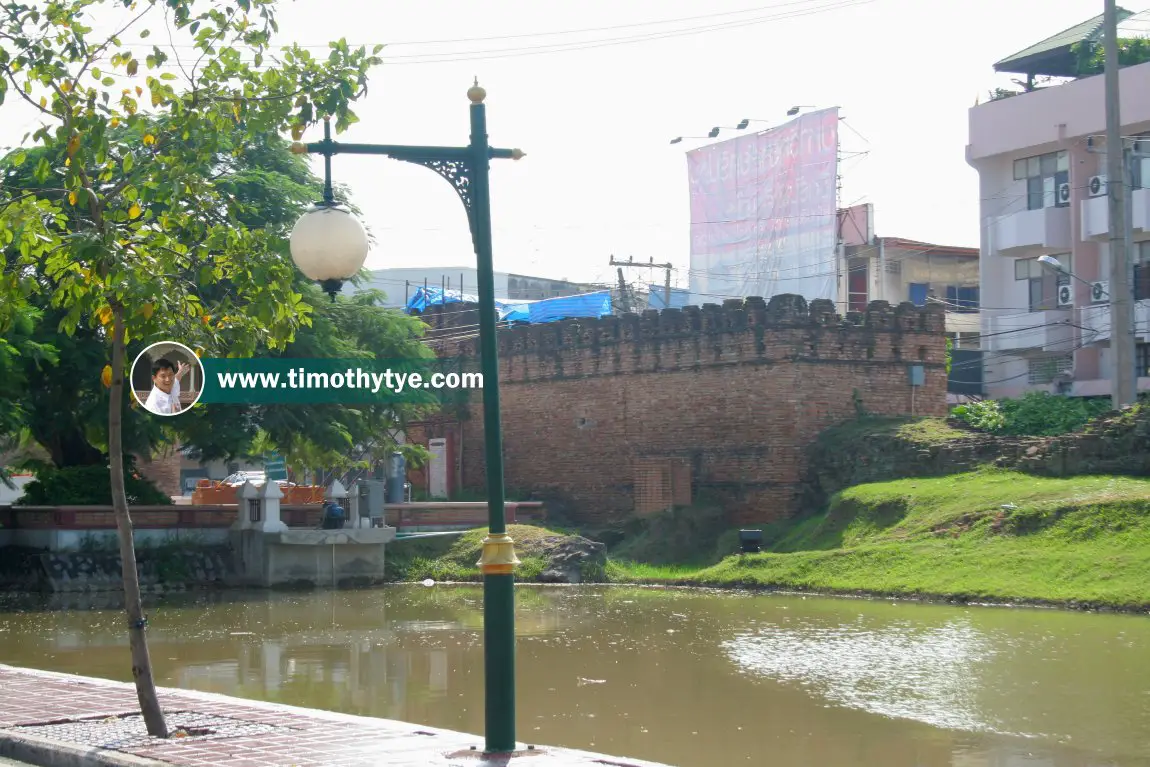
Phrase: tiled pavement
x=56 y=719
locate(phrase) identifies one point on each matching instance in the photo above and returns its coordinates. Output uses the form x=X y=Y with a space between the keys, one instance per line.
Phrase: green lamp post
x=329 y=248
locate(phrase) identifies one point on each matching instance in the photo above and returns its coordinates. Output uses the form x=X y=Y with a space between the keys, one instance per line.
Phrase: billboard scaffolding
x=763 y=212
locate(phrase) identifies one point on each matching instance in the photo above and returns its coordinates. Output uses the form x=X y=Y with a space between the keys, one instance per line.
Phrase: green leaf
x=43 y=170
x=19 y=158
x=129 y=162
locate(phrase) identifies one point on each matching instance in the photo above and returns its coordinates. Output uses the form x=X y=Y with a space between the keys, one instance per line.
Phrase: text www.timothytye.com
x=352 y=379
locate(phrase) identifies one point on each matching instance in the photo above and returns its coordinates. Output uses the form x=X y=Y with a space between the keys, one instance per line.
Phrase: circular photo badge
x=167 y=378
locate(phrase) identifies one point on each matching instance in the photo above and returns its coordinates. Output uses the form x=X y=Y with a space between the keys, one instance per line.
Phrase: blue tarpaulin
x=596 y=304
x=425 y=297
x=657 y=297
x=564 y=307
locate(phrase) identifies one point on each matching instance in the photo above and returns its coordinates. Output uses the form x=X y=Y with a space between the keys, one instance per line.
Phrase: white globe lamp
x=329 y=245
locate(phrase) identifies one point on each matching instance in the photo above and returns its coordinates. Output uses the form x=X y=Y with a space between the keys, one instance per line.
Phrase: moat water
x=688 y=678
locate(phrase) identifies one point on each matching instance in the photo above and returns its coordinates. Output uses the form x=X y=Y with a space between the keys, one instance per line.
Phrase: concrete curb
x=44 y=752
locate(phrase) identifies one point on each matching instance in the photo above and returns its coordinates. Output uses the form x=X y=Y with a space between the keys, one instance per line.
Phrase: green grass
x=1084 y=540
x=453 y=559
x=623 y=571
x=920 y=430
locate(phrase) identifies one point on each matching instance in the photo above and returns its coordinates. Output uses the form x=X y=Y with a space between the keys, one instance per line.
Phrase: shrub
x=985 y=416
x=88 y=486
x=1037 y=414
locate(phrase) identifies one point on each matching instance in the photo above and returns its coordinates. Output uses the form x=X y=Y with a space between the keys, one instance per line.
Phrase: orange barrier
x=223 y=495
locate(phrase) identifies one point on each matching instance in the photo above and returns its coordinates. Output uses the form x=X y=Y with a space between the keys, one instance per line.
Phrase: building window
x=917 y=293
x=1046 y=369
x=1141 y=169
x=1044 y=174
x=857 y=278
x=1042 y=293
x=969 y=340
x=960 y=299
x=1142 y=271
x=1142 y=360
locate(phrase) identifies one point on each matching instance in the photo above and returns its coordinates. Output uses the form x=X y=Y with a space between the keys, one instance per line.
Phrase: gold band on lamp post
x=498 y=557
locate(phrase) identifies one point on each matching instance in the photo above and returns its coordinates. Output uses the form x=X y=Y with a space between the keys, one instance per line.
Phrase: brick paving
x=42 y=711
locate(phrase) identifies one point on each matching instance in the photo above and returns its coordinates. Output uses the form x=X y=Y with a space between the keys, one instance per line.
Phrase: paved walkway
x=59 y=720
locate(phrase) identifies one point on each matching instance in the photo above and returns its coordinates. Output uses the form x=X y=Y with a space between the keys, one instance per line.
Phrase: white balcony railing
x=1095 y=321
x=1038 y=331
x=1095 y=218
x=1032 y=231
x=1096 y=215
x=1141 y=205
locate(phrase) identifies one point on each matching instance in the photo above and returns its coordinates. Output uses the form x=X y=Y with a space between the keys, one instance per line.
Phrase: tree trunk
x=141 y=662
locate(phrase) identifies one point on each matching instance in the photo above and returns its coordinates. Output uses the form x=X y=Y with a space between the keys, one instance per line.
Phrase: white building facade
x=1041 y=162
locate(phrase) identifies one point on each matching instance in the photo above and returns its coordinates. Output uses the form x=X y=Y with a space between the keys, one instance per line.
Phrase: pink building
x=1041 y=165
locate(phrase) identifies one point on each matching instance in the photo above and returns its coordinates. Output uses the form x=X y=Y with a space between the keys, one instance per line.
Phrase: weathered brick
x=598 y=412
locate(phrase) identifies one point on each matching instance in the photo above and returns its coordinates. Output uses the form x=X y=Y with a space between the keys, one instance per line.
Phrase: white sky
x=600 y=176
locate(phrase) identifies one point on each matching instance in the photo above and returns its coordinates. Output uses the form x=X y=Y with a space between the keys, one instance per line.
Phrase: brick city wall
x=163 y=469
x=632 y=414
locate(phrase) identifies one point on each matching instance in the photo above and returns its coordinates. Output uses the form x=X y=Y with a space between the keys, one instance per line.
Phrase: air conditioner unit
x=1063 y=198
x=1097 y=186
x=1099 y=292
x=1065 y=295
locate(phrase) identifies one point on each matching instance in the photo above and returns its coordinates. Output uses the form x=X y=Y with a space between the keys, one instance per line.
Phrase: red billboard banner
x=763 y=212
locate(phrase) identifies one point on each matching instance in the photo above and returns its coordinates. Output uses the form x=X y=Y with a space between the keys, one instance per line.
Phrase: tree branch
x=176 y=55
x=16 y=86
x=104 y=46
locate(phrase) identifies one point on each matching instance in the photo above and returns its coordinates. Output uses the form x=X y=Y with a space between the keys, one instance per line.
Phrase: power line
x=461 y=56
x=611 y=28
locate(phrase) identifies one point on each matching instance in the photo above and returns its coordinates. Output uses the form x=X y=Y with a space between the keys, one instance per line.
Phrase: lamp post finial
x=476 y=93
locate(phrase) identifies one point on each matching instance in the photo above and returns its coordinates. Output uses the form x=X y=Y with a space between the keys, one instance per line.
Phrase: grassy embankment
x=1083 y=540
x=989 y=535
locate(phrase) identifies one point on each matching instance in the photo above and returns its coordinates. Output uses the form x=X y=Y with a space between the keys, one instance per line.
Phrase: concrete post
x=353 y=510
x=247 y=493
x=270 y=496
x=335 y=491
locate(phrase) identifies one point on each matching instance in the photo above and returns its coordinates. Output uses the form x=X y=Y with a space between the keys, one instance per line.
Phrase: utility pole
x=1124 y=389
x=623 y=292
x=651 y=265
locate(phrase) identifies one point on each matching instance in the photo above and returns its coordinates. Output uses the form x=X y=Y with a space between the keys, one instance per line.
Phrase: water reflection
x=898 y=670
x=675 y=676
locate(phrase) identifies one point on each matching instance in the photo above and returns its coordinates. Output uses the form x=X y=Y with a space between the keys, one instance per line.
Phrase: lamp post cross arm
x=416 y=154
x=455 y=164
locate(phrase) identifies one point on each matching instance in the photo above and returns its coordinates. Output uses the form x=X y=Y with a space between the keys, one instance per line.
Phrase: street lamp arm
x=453 y=164
x=1087 y=283
x=416 y=154
x=394 y=151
